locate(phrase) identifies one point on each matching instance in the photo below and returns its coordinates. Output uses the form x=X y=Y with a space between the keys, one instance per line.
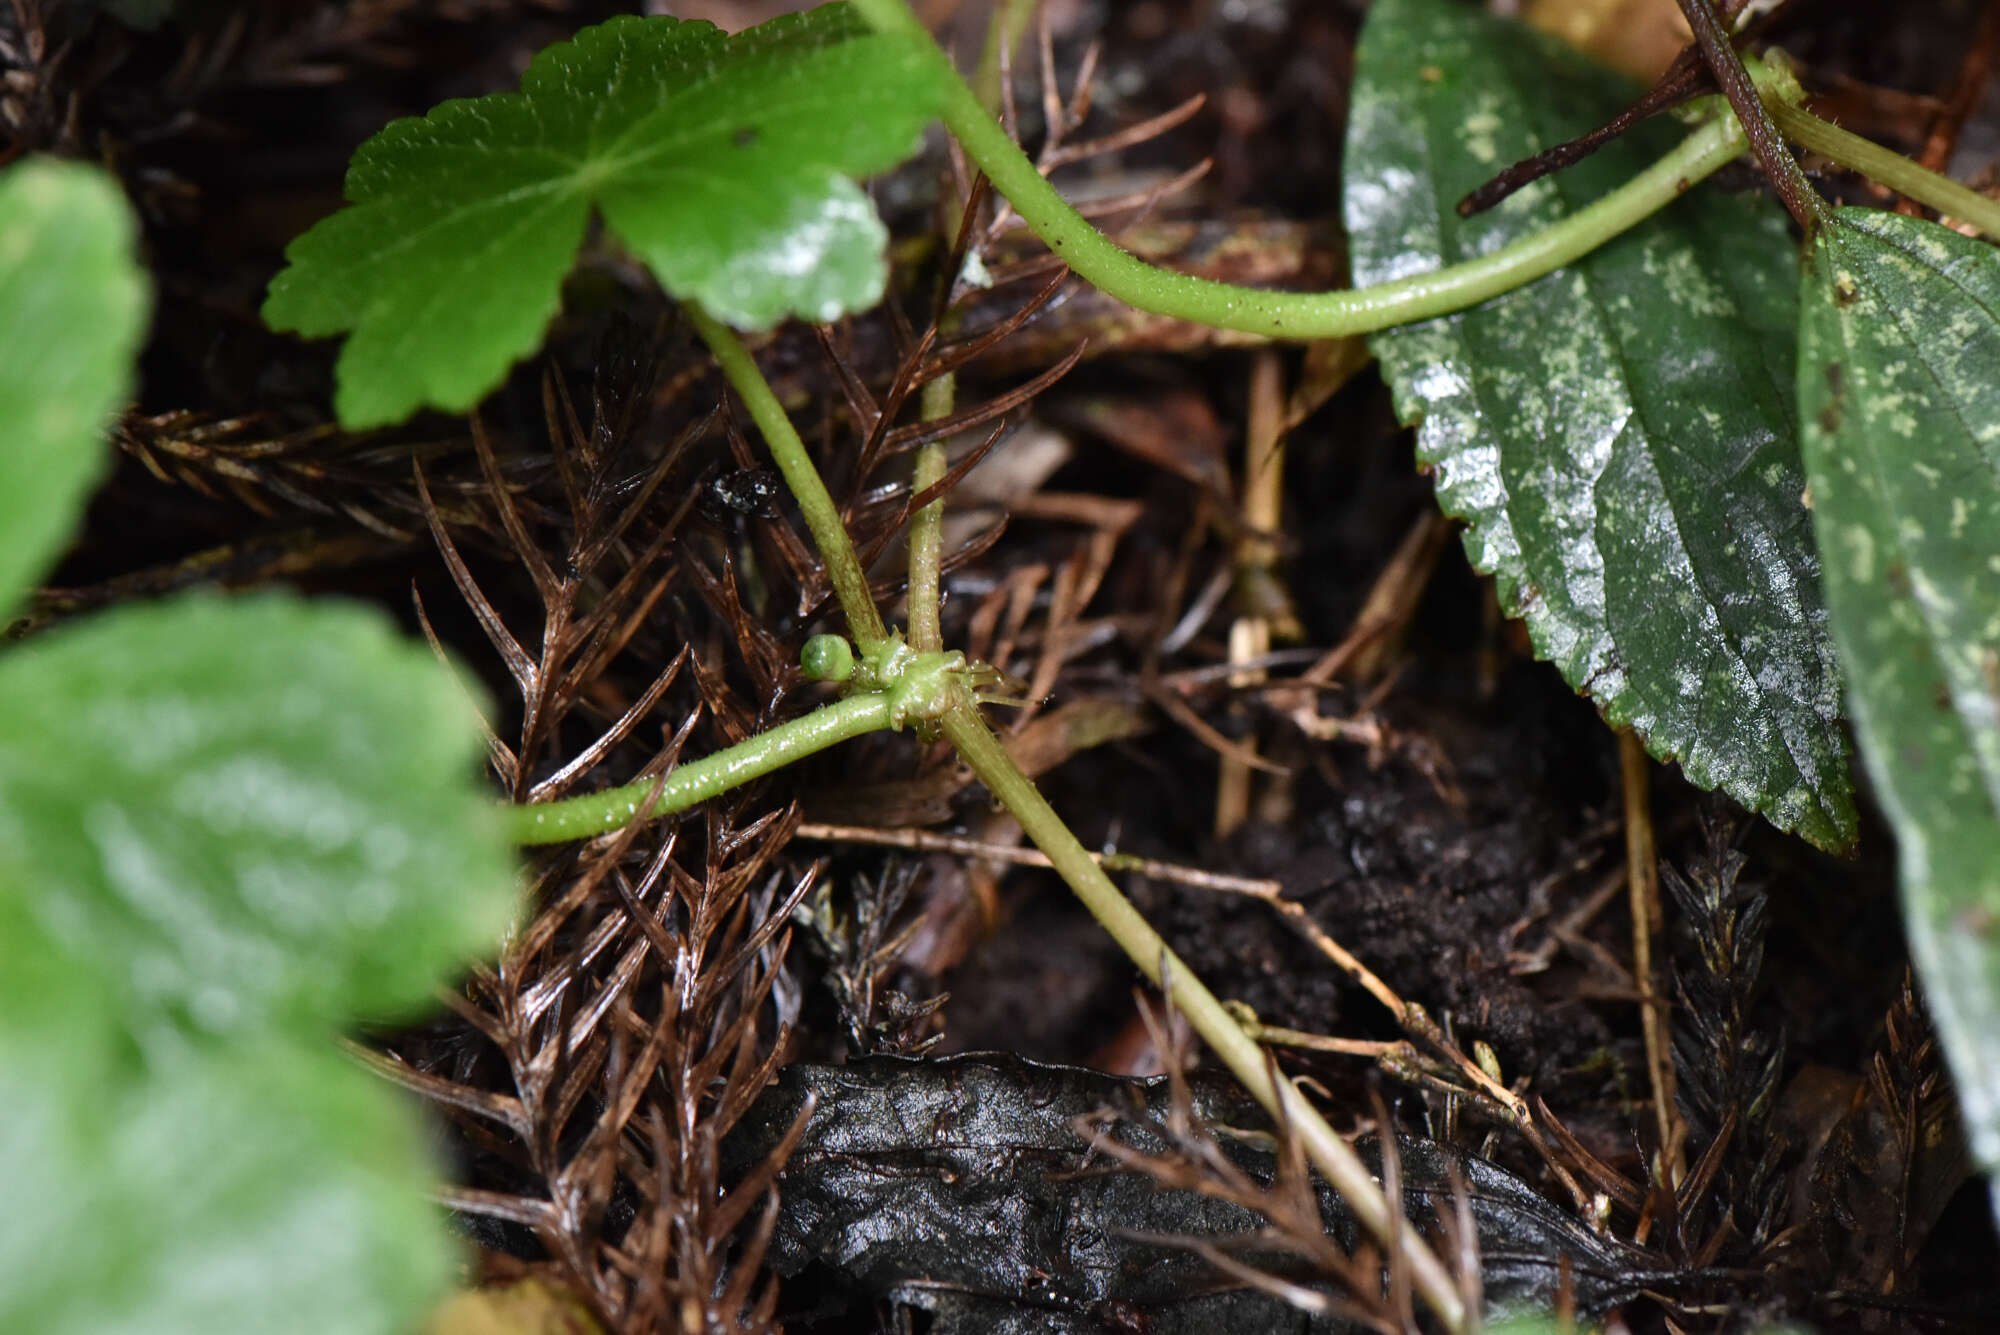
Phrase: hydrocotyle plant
x=1622 y=437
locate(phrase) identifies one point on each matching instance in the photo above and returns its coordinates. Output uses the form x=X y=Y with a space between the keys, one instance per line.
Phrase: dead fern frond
x=629 y=1022
x=861 y=943
x=1727 y=1063
x=1292 y=1257
x=607 y=573
x=598 y=1063
x=1890 y=1164
x=318 y=470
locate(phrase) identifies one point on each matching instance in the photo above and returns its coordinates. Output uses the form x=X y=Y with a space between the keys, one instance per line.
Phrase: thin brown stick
x=926 y=841
x=1684 y=79
x=1117 y=140
x=1204 y=732
x=1607 y=1179
x=1256 y=557
x=1642 y=879
x=1973 y=77
x=1372 y=1048
x=1765 y=142
x=1391 y=601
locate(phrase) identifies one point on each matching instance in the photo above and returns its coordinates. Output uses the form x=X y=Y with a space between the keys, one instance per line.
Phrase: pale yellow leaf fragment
x=1639 y=37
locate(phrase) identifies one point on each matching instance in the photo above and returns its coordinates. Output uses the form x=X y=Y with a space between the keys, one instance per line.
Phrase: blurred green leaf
x=265 y=1189
x=1899 y=394
x=222 y=814
x=724 y=162
x=72 y=307
x=1618 y=436
x=226 y=828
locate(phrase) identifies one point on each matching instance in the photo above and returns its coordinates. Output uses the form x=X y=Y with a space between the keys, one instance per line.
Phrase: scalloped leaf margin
x=726 y=163
x=1619 y=435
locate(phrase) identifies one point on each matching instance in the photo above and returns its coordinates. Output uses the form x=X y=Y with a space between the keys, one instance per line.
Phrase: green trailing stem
x=1783 y=117
x=927 y=526
x=948 y=700
x=1289 y=315
x=890 y=686
x=1286 y=315
x=1888 y=168
x=593 y=814
x=895 y=684
x=1251 y=1064
x=822 y=516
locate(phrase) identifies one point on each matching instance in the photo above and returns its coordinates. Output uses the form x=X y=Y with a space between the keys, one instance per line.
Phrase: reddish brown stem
x=1765 y=142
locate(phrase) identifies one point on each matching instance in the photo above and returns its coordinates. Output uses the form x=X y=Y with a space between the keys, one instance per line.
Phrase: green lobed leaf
x=220 y=815
x=1618 y=435
x=217 y=820
x=1899 y=398
x=72 y=307
x=266 y=1189
x=724 y=162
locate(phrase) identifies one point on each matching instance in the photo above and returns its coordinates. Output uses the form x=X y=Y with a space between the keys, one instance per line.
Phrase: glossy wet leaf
x=1899 y=396
x=726 y=163
x=218 y=815
x=268 y=1189
x=72 y=308
x=1617 y=436
x=930 y=1182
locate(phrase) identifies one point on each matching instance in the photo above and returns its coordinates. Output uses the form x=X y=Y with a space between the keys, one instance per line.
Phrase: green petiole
x=1888 y=167
x=816 y=507
x=927 y=525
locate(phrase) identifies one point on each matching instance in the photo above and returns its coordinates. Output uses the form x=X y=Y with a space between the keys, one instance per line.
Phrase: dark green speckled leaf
x=1618 y=436
x=1899 y=394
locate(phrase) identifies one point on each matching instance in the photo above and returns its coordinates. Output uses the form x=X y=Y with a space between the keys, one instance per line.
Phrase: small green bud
x=827 y=658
